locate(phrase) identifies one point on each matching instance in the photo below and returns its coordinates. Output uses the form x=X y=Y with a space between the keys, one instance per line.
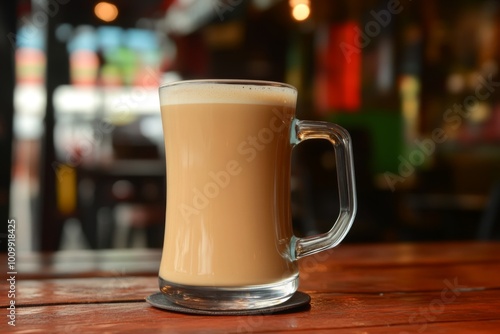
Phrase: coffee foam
x=247 y=93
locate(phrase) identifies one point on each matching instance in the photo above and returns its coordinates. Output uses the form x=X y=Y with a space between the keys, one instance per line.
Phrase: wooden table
x=369 y=288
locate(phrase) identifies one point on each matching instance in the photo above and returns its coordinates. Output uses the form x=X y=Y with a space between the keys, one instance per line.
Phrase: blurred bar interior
x=415 y=82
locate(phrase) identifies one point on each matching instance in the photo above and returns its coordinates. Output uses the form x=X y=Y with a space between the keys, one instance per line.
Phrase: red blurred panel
x=338 y=76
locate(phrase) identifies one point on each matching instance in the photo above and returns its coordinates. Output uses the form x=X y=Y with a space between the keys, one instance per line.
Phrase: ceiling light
x=301 y=12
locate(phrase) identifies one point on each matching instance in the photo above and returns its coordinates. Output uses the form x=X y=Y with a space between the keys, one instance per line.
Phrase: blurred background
x=415 y=82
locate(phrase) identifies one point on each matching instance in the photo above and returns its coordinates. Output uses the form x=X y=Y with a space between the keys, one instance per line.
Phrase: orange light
x=106 y=11
x=294 y=3
x=301 y=12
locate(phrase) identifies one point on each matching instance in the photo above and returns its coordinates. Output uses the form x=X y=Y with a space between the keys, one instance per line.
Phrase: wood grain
x=321 y=278
x=389 y=288
x=327 y=312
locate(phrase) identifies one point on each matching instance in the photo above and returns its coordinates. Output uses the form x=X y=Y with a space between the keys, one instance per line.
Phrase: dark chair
x=134 y=179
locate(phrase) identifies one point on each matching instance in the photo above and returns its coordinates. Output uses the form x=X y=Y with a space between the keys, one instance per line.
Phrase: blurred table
x=371 y=288
x=132 y=182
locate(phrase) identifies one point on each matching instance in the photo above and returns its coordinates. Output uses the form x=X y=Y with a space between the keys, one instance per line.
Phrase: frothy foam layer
x=200 y=92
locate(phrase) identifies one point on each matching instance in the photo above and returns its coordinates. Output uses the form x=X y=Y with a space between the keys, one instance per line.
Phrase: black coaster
x=298 y=300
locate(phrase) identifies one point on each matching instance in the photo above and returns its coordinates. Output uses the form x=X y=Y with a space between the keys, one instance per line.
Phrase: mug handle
x=341 y=141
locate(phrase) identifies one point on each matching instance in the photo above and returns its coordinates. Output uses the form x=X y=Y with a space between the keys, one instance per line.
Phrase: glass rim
x=249 y=82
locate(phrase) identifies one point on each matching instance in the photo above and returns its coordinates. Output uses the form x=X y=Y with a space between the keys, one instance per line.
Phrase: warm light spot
x=294 y=3
x=106 y=11
x=301 y=12
x=480 y=112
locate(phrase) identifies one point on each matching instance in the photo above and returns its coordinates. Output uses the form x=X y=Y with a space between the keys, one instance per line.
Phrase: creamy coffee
x=228 y=184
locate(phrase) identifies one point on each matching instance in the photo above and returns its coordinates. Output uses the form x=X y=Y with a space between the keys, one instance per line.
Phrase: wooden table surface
x=370 y=288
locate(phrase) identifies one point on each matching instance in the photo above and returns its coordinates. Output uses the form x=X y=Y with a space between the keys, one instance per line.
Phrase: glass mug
x=229 y=243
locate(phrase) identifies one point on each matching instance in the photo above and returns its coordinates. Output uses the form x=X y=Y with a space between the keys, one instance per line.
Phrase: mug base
x=230 y=298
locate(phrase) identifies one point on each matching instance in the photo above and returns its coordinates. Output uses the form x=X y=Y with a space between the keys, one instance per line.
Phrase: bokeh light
x=106 y=11
x=301 y=12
